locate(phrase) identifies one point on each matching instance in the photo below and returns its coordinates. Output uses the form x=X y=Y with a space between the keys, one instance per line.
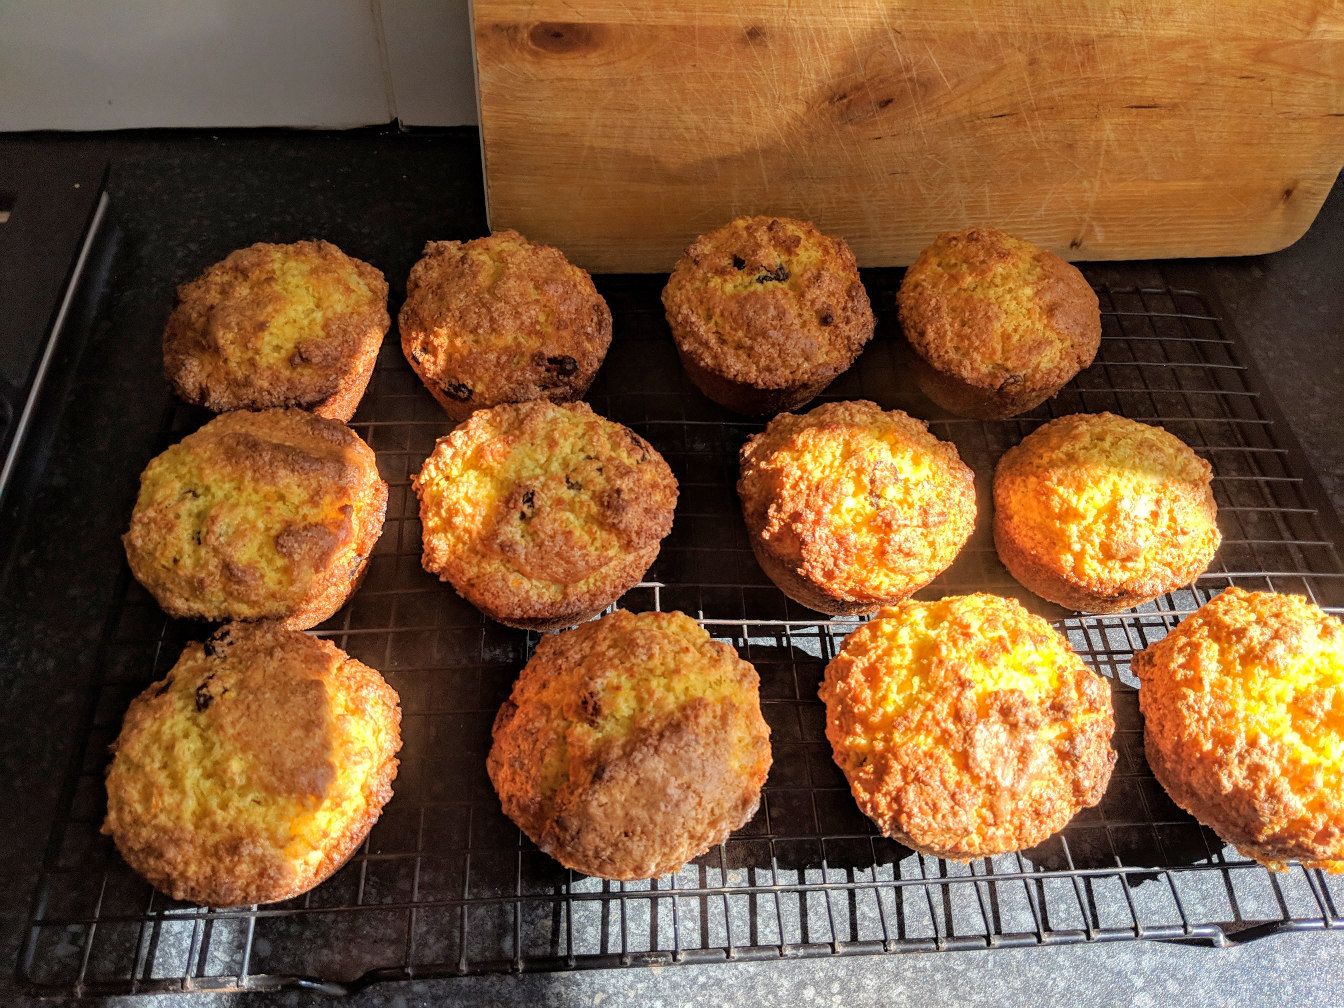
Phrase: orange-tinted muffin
x=967 y=727
x=1100 y=513
x=997 y=324
x=278 y=326
x=850 y=507
x=543 y=514
x=268 y=515
x=1243 y=718
x=630 y=745
x=766 y=312
x=500 y=320
x=254 y=769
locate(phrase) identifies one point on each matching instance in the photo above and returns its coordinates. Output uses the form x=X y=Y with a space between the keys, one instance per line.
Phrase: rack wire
x=447 y=885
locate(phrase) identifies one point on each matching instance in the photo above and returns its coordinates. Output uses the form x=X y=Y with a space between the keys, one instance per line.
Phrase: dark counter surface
x=182 y=201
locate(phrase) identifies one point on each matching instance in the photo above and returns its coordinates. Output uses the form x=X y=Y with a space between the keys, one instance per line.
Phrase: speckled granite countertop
x=179 y=198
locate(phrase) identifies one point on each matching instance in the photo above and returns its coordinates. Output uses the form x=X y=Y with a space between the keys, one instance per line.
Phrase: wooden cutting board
x=1103 y=130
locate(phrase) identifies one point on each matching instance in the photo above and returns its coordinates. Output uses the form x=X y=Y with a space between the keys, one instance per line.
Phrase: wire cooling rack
x=446 y=885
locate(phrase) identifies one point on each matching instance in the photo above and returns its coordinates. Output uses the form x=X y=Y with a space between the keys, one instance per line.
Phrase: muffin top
x=631 y=744
x=532 y=509
x=501 y=319
x=1108 y=503
x=1244 y=724
x=863 y=502
x=277 y=326
x=266 y=515
x=770 y=302
x=254 y=768
x=967 y=726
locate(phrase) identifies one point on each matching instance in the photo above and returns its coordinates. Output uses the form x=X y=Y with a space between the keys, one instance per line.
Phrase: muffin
x=766 y=312
x=967 y=727
x=997 y=325
x=278 y=326
x=501 y=320
x=268 y=515
x=849 y=507
x=254 y=769
x=630 y=745
x=542 y=514
x=1099 y=513
x=1243 y=716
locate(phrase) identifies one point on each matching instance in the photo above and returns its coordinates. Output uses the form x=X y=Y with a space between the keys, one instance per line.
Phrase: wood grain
x=1102 y=130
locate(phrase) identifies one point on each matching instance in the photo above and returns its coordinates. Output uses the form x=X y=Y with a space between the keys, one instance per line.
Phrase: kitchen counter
x=181 y=201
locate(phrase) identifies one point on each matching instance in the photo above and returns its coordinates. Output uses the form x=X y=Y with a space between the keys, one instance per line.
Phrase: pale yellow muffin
x=254 y=769
x=967 y=727
x=1100 y=513
x=278 y=326
x=542 y=514
x=850 y=507
x=1243 y=724
x=267 y=515
x=630 y=745
x=502 y=319
x=997 y=324
x=766 y=312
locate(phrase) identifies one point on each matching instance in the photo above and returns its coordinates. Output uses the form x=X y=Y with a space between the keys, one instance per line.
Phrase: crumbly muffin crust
x=254 y=769
x=631 y=744
x=967 y=727
x=278 y=326
x=543 y=514
x=850 y=507
x=1100 y=513
x=997 y=324
x=1244 y=727
x=502 y=319
x=766 y=312
x=267 y=515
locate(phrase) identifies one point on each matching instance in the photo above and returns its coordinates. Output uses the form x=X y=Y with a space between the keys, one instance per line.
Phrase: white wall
x=116 y=64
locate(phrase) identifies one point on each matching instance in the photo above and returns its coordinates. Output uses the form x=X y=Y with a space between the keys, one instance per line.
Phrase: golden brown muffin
x=254 y=769
x=276 y=326
x=1099 y=513
x=500 y=320
x=268 y=515
x=766 y=312
x=967 y=727
x=630 y=745
x=849 y=507
x=997 y=325
x=1243 y=716
x=542 y=514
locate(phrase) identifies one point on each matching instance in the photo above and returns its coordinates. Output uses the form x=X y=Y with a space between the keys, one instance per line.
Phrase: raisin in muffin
x=278 y=326
x=630 y=745
x=849 y=507
x=500 y=320
x=254 y=769
x=766 y=312
x=542 y=514
x=997 y=324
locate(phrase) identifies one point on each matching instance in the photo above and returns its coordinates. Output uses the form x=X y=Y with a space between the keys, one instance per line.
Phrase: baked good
x=630 y=745
x=542 y=514
x=1243 y=724
x=1100 y=513
x=997 y=324
x=766 y=312
x=254 y=769
x=267 y=515
x=277 y=326
x=849 y=507
x=967 y=727
x=501 y=319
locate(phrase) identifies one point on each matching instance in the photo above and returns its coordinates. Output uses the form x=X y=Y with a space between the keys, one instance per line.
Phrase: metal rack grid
x=446 y=885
